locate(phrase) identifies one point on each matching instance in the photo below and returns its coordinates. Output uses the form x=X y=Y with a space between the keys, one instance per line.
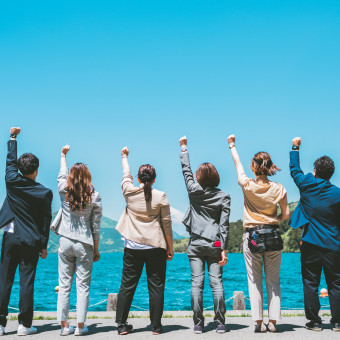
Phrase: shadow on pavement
x=287 y=328
x=96 y=328
x=47 y=327
x=230 y=326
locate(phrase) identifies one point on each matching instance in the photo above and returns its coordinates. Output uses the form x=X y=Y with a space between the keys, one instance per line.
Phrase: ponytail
x=147 y=175
x=147 y=191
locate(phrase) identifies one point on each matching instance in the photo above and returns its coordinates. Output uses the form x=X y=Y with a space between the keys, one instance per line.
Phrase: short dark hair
x=324 y=167
x=28 y=163
x=207 y=176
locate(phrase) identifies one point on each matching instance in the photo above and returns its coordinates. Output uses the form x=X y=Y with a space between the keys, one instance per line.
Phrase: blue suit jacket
x=319 y=208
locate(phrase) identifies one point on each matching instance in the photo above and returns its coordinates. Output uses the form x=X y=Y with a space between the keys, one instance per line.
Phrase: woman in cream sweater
x=146 y=228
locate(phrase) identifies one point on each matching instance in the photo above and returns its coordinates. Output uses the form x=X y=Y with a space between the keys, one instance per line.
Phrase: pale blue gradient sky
x=105 y=74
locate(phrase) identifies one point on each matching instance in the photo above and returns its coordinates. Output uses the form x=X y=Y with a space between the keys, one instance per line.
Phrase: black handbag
x=264 y=238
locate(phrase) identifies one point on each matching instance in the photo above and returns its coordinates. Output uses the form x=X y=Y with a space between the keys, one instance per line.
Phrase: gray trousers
x=271 y=260
x=74 y=256
x=201 y=251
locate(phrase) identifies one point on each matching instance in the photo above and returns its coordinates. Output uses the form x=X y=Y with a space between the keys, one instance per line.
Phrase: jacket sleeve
x=46 y=220
x=127 y=183
x=166 y=216
x=297 y=174
x=187 y=173
x=224 y=222
x=62 y=183
x=96 y=217
x=12 y=173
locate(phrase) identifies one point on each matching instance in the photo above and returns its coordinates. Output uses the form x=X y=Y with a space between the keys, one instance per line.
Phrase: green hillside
x=291 y=238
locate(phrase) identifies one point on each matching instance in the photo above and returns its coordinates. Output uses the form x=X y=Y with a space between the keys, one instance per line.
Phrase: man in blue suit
x=318 y=214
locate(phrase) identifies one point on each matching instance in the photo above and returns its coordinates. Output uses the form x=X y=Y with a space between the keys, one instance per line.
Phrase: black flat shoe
x=157 y=330
x=336 y=326
x=314 y=326
x=125 y=329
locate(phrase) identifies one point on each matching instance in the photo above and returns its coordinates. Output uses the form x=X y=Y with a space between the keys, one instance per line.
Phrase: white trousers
x=271 y=261
x=74 y=257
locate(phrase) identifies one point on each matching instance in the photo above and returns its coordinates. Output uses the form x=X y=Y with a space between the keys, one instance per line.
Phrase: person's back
x=25 y=219
x=207 y=221
x=78 y=224
x=319 y=207
x=318 y=214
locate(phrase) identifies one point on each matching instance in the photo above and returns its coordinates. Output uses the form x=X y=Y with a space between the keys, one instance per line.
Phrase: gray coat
x=84 y=225
x=209 y=210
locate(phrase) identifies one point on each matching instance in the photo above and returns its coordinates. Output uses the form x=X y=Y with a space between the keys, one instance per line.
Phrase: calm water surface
x=107 y=273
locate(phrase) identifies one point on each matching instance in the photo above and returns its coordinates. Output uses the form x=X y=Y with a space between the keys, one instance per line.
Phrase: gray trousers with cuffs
x=271 y=261
x=74 y=257
x=200 y=252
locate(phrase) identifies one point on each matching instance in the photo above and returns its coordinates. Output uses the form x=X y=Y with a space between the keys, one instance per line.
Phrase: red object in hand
x=217 y=244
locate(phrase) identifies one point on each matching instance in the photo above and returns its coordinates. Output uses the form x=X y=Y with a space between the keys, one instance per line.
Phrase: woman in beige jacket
x=146 y=228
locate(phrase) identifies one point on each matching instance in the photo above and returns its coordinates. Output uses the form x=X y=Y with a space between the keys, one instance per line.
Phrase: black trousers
x=313 y=260
x=14 y=254
x=133 y=263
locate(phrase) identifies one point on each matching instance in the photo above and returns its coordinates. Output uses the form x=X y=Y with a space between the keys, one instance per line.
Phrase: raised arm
x=63 y=173
x=239 y=168
x=64 y=150
x=127 y=183
x=186 y=168
x=12 y=173
x=295 y=170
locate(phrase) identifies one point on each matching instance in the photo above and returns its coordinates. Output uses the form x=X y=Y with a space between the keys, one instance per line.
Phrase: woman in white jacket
x=78 y=224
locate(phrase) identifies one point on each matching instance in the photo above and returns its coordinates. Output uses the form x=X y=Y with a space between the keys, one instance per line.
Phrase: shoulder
x=159 y=196
x=96 y=197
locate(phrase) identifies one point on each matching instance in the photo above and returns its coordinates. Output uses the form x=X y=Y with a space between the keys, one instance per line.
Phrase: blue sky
x=105 y=74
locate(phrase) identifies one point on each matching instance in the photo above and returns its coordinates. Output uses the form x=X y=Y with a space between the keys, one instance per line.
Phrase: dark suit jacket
x=209 y=210
x=319 y=208
x=27 y=203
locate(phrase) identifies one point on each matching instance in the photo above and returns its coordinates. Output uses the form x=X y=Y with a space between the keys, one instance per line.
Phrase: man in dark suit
x=318 y=214
x=25 y=218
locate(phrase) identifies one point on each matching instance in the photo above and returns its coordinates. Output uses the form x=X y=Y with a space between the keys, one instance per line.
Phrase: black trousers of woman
x=133 y=263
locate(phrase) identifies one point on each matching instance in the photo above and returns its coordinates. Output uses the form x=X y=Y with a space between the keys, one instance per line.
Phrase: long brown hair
x=79 y=187
x=147 y=175
x=262 y=164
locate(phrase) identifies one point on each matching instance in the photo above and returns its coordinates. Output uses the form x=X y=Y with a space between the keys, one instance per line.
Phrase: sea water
x=107 y=275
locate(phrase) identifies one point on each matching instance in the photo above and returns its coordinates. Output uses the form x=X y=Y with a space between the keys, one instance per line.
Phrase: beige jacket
x=144 y=222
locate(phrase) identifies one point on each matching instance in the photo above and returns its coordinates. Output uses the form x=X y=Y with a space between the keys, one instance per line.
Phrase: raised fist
x=65 y=149
x=231 y=139
x=183 y=141
x=297 y=141
x=125 y=151
x=15 y=131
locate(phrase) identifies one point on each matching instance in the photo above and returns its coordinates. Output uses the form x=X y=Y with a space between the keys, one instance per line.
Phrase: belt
x=263 y=227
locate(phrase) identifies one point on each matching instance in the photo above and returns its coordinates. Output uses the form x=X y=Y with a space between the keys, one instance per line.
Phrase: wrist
x=184 y=149
x=124 y=156
x=231 y=145
x=295 y=148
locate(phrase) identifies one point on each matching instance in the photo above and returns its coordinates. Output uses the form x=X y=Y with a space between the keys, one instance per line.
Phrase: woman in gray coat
x=78 y=224
x=207 y=221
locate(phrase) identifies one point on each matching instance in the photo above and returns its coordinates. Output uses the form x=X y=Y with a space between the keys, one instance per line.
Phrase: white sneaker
x=22 y=330
x=81 y=331
x=67 y=330
x=2 y=330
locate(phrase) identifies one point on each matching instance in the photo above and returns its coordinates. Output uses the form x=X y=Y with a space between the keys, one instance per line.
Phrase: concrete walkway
x=181 y=328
